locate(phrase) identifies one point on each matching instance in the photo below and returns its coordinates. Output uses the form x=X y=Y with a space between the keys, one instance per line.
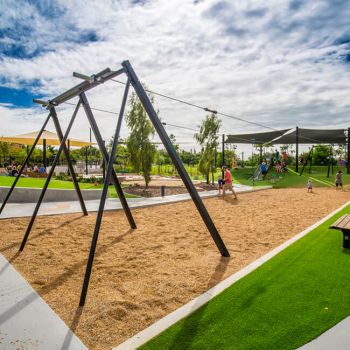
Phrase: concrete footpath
x=336 y=338
x=26 y=321
x=13 y=210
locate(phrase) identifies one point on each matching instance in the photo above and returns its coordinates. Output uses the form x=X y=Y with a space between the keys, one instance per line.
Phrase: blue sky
x=16 y=97
x=279 y=63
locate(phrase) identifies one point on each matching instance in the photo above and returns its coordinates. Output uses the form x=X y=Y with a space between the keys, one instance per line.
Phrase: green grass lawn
x=290 y=178
x=39 y=183
x=287 y=302
x=287 y=179
x=240 y=175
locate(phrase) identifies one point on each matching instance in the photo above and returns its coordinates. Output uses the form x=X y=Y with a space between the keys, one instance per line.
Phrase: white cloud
x=275 y=63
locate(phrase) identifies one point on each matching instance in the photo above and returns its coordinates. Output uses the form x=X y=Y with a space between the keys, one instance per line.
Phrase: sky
x=277 y=63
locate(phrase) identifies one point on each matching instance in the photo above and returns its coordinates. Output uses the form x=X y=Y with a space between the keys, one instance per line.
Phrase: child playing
x=220 y=184
x=339 y=180
x=227 y=183
x=309 y=186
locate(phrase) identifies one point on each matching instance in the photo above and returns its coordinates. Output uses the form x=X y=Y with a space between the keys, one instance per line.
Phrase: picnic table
x=343 y=224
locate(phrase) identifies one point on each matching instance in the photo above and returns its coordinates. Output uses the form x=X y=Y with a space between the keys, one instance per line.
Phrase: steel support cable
x=198 y=107
x=95 y=109
x=214 y=111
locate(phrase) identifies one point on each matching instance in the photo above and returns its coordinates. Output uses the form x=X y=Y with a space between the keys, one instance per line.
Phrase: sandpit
x=140 y=276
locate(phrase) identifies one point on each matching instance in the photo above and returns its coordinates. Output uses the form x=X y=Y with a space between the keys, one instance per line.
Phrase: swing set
x=309 y=157
x=90 y=82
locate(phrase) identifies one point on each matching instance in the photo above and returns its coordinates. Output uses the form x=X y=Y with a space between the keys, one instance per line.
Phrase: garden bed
x=172 y=186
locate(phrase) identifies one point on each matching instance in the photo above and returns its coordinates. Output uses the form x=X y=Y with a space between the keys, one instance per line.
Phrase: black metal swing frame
x=309 y=156
x=88 y=83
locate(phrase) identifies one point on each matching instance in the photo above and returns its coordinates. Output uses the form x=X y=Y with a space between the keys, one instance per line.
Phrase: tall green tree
x=230 y=156
x=173 y=141
x=4 y=152
x=208 y=137
x=141 y=150
x=320 y=155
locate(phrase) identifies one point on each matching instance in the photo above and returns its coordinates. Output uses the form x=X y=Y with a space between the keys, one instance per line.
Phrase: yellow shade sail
x=50 y=137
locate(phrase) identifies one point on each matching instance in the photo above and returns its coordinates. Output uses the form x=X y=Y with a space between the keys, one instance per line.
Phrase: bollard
x=162 y=191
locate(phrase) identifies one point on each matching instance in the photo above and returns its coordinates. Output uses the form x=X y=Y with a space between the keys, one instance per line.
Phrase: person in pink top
x=227 y=182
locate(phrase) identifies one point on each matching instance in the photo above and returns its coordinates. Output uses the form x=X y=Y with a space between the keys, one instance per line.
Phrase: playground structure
x=88 y=83
x=298 y=136
x=258 y=175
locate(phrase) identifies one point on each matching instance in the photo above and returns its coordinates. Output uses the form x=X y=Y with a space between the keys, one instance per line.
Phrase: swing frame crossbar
x=79 y=90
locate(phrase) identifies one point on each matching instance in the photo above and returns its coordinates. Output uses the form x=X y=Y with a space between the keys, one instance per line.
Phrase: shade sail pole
x=25 y=163
x=297 y=149
x=44 y=153
x=329 y=160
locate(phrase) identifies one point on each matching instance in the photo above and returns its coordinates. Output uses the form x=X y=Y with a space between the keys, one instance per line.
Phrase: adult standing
x=227 y=182
x=339 y=180
x=277 y=155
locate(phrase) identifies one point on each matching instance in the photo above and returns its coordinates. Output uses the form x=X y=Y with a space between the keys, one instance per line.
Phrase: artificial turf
x=291 y=179
x=39 y=183
x=285 y=303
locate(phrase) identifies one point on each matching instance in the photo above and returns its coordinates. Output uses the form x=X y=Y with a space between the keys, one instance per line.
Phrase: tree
x=230 y=156
x=253 y=160
x=139 y=145
x=320 y=155
x=173 y=141
x=189 y=157
x=122 y=154
x=4 y=152
x=208 y=139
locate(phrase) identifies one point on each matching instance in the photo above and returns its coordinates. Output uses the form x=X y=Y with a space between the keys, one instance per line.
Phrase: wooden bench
x=343 y=224
x=35 y=174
